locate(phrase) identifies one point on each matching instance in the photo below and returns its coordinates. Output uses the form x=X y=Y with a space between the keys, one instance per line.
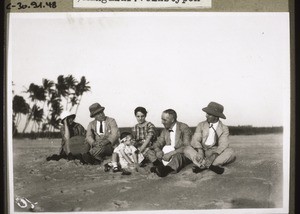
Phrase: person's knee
x=230 y=152
x=178 y=158
x=177 y=155
x=150 y=154
x=187 y=150
x=231 y=155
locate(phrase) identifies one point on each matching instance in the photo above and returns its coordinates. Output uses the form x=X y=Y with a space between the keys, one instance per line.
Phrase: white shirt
x=170 y=148
x=210 y=141
x=173 y=134
x=98 y=127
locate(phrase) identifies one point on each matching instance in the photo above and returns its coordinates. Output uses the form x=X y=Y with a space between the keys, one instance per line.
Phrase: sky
x=159 y=61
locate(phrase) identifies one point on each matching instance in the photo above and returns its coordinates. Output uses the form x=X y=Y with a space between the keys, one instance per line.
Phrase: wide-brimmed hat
x=66 y=114
x=95 y=108
x=215 y=109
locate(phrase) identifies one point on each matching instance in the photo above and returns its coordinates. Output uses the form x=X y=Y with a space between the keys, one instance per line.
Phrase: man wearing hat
x=102 y=134
x=209 y=145
x=68 y=130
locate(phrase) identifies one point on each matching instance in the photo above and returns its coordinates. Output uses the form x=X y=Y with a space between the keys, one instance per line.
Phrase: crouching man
x=102 y=134
x=210 y=146
x=167 y=154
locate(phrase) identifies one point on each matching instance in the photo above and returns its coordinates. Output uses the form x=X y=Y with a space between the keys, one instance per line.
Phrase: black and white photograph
x=148 y=112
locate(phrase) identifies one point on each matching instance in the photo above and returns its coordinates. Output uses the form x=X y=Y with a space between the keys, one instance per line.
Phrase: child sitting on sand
x=125 y=156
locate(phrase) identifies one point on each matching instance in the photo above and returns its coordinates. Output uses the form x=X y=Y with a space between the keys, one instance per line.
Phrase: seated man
x=68 y=130
x=170 y=145
x=102 y=134
x=209 y=145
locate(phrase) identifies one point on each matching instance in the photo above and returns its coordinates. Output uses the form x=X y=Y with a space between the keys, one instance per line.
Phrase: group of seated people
x=169 y=152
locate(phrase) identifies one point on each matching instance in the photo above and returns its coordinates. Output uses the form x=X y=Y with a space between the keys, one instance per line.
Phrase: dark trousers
x=100 y=151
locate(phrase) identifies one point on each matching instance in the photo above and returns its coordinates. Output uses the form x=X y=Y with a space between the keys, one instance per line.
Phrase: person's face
x=129 y=140
x=211 y=118
x=167 y=120
x=100 y=116
x=140 y=117
x=70 y=120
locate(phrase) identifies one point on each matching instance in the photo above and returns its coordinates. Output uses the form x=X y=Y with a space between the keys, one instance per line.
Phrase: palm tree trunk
x=67 y=102
x=18 y=119
x=78 y=104
x=27 y=122
x=32 y=126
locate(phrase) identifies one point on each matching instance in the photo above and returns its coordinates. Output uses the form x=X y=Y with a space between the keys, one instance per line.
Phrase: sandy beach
x=254 y=180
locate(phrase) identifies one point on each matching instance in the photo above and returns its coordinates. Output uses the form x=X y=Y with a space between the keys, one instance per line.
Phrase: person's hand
x=210 y=159
x=208 y=152
x=202 y=164
x=167 y=156
x=199 y=158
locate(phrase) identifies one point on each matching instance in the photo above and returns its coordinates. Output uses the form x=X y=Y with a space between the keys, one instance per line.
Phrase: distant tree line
x=234 y=130
x=45 y=103
x=249 y=130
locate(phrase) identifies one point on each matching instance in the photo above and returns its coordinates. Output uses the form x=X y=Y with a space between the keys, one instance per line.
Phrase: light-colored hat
x=66 y=114
x=95 y=108
x=215 y=109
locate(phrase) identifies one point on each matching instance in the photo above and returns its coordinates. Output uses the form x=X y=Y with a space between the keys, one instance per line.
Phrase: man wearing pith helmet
x=210 y=145
x=102 y=134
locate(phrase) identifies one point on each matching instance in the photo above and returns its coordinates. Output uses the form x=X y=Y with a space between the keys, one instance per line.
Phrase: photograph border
x=66 y=8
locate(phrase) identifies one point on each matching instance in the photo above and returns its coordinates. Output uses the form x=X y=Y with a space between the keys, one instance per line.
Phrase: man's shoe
x=106 y=167
x=217 y=169
x=88 y=158
x=116 y=169
x=143 y=163
x=197 y=169
x=53 y=157
x=125 y=172
x=158 y=163
x=153 y=169
x=163 y=171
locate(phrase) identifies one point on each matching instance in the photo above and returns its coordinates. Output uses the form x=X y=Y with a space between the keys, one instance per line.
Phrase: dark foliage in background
x=234 y=130
x=45 y=104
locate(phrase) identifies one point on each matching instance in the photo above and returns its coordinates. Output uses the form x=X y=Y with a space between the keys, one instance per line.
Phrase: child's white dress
x=128 y=150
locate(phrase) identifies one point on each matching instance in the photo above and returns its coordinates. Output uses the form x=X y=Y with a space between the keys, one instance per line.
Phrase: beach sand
x=254 y=180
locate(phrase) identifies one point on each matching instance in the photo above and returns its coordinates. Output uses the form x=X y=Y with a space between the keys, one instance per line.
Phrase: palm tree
x=48 y=87
x=36 y=94
x=73 y=101
x=37 y=116
x=54 y=119
x=71 y=83
x=61 y=87
x=81 y=88
x=51 y=94
x=19 y=107
x=49 y=91
x=53 y=122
